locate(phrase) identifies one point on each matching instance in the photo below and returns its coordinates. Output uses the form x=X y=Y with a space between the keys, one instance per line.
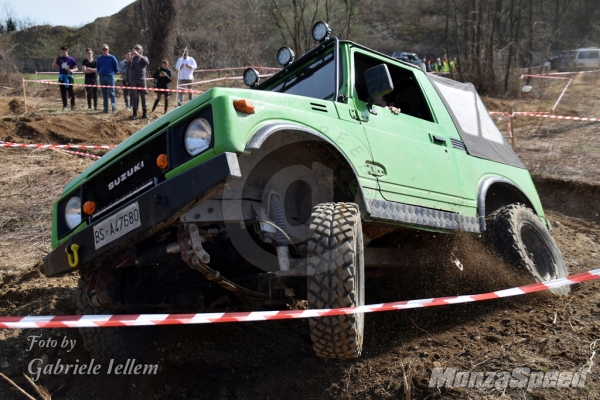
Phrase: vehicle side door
x=414 y=159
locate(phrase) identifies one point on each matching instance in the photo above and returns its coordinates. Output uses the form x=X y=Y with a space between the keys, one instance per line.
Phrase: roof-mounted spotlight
x=285 y=56
x=321 y=31
x=251 y=77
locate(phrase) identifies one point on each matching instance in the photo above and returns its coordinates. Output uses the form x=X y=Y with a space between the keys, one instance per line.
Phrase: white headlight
x=73 y=212
x=198 y=136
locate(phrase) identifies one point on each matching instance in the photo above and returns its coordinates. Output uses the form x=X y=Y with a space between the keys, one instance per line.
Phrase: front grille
x=135 y=173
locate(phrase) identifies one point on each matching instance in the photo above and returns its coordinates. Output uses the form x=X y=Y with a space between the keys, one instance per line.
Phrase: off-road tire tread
x=336 y=279
x=105 y=344
x=504 y=235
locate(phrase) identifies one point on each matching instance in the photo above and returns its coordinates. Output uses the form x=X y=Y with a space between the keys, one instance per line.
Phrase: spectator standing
x=125 y=79
x=437 y=67
x=185 y=73
x=108 y=66
x=137 y=74
x=67 y=65
x=453 y=65
x=162 y=77
x=445 y=66
x=91 y=78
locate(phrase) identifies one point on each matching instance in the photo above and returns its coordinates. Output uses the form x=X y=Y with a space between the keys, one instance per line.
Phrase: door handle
x=439 y=139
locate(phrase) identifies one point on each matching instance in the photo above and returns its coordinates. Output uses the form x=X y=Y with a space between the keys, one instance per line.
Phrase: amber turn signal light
x=89 y=207
x=162 y=161
x=244 y=106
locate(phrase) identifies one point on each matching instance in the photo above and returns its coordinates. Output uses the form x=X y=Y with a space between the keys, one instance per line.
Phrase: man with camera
x=185 y=68
x=137 y=74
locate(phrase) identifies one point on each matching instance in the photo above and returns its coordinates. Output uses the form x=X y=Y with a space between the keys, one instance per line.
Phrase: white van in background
x=588 y=58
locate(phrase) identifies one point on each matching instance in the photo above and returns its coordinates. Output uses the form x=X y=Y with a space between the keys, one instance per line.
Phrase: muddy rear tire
x=105 y=344
x=336 y=279
x=522 y=239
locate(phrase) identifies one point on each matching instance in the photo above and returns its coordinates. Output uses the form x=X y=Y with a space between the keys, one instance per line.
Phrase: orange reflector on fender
x=89 y=207
x=244 y=106
x=162 y=161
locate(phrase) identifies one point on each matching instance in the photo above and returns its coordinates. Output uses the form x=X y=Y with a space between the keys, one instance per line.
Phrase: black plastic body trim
x=482 y=190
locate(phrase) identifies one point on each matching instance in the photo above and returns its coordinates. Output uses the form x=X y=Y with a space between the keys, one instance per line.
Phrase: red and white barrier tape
x=93 y=321
x=543 y=115
x=196 y=70
x=219 y=79
x=55 y=146
x=546 y=115
x=235 y=68
x=56 y=73
x=544 y=77
x=574 y=72
x=77 y=153
x=115 y=87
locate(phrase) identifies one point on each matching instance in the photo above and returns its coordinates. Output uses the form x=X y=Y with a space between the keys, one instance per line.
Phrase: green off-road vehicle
x=270 y=194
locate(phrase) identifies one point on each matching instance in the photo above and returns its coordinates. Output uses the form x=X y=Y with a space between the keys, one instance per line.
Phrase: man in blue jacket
x=107 y=66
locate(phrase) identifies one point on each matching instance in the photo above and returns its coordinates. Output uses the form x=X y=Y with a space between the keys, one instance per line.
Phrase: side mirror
x=379 y=83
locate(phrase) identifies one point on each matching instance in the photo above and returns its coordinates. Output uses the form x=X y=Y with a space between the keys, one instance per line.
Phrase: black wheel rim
x=538 y=252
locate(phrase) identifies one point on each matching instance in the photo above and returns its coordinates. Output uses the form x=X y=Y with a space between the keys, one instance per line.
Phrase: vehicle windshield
x=315 y=78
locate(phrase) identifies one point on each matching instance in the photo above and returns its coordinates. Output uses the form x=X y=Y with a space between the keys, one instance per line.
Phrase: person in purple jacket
x=67 y=65
x=107 y=67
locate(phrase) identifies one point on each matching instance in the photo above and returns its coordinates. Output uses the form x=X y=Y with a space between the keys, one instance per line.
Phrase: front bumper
x=159 y=207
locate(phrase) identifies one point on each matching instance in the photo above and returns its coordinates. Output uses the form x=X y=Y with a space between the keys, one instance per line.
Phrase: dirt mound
x=572 y=198
x=497 y=105
x=66 y=129
x=17 y=106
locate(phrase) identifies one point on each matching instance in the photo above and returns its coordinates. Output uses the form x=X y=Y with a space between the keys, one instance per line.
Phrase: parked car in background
x=579 y=59
x=588 y=58
x=412 y=58
x=554 y=62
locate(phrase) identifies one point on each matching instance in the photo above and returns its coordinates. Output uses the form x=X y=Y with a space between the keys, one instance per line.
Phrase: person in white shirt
x=185 y=68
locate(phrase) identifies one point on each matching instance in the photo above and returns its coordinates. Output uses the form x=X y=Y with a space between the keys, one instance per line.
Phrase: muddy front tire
x=522 y=239
x=105 y=344
x=336 y=279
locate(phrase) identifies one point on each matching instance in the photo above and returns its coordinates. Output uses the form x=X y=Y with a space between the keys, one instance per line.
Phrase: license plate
x=117 y=225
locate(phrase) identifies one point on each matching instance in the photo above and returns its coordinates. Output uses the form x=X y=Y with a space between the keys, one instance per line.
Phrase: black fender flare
x=482 y=189
x=270 y=128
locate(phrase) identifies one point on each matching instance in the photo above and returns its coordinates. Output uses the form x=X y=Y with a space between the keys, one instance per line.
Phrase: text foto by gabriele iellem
x=37 y=367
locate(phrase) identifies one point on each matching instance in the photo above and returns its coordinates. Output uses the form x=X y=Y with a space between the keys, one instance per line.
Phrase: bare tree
x=294 y=19
x=160 y=21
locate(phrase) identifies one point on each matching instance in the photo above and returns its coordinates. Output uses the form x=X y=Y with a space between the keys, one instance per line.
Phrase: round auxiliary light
x=321 y=31
x=73 y=212
x=251 y=77
x=89 y=207
x=285 y=56
x=162 y=161
x=198 y=136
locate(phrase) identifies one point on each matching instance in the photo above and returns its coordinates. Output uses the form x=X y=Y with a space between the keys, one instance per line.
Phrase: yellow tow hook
x=72 y=254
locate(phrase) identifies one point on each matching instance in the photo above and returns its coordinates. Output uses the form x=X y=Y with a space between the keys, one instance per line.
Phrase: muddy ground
x=274 y=360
